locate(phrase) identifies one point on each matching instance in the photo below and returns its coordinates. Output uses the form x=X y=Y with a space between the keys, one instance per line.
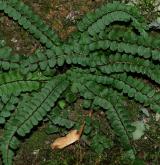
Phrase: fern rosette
x=105 y=63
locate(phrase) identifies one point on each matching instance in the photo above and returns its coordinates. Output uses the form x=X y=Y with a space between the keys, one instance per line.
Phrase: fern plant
x=107 y=60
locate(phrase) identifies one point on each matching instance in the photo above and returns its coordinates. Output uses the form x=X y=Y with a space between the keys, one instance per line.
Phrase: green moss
x=37 y=140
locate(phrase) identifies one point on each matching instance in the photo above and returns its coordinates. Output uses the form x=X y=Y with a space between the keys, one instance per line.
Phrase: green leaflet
x=7 y=105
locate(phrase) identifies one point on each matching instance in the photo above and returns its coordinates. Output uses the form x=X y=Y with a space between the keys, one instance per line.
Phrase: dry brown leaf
x=70 y=138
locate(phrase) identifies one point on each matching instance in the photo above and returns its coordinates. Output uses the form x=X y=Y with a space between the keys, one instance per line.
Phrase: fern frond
x=40 y=60
x=7 y=155
x=141 y=89
x=29 y=21
x=117 y=68
x=127 y=35
x=113 y=103
x=31 y=113
x=116 y=113
x=26 y=11
x=15 y=83
x=104 y=16
x=109 y=18
x=118 y=118
x=134 y=88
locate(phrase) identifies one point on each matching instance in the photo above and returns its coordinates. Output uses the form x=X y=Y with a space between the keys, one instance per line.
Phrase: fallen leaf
x=70 y=138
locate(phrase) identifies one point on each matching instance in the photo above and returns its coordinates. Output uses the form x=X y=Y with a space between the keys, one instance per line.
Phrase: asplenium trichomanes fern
x=106 y=58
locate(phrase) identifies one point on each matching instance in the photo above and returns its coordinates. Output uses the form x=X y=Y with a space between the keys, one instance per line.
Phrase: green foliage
x=106 y=62
x=99 y=143
x=59 y=118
